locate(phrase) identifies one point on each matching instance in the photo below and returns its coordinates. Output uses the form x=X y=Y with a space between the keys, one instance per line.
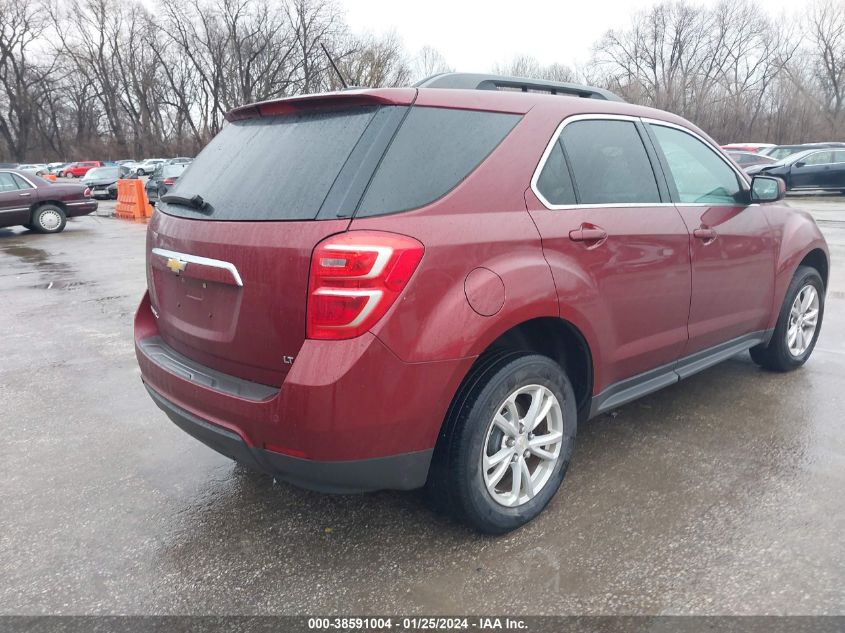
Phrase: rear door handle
x=582 y=234
x=24 y=195
x=707 y=235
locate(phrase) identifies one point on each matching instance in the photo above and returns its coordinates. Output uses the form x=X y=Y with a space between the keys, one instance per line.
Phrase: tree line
x=114 y=79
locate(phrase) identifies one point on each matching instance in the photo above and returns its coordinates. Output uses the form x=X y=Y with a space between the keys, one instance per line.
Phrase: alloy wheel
x=522 y=445
x=803 y=320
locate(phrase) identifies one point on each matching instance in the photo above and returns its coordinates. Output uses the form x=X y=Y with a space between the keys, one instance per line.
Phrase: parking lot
x=721 y=494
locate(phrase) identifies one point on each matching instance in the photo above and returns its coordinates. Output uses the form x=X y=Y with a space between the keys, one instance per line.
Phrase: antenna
x=331 y=61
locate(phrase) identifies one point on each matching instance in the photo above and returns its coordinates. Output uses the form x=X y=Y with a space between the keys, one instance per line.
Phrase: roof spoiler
x=326 y=100
x=479 y=81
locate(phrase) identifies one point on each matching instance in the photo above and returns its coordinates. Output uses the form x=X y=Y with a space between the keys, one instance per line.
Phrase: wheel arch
x=40 y=203
x=817 y=259
x=555 y=338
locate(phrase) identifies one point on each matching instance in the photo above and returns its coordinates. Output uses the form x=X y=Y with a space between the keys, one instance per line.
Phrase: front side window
x=609 y=163
x=699 y=173
x=819 y=158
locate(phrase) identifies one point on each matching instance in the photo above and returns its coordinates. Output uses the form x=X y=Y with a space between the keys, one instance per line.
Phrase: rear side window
x=275 y=168
x=7 y=182
x=555 y=183
x=609 y=163
x=434 y=150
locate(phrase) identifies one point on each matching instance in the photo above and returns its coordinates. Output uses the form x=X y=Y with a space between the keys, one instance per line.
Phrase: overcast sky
x=474 y=36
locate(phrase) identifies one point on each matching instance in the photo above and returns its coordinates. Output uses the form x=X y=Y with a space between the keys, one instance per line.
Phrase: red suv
x=78 y=170
x=432 y=286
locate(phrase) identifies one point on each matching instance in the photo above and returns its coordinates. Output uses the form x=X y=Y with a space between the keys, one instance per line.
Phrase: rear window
x=292 y=167
x=275 y=168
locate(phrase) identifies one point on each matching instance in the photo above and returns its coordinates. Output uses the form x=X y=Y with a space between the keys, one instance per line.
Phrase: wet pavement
x=722 y=494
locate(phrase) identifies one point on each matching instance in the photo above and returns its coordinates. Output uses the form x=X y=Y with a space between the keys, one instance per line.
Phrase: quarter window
x=555 y=182
x=609 y=163
x=699 y=173
x=839 y=156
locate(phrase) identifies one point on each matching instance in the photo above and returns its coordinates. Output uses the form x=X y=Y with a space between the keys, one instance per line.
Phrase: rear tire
x=798 y=326
x=491 y=469
x=48 y=218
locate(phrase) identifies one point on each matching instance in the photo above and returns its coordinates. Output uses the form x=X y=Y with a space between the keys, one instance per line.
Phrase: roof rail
x=479 y=81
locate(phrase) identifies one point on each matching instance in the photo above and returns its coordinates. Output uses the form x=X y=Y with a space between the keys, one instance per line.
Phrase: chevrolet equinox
x=432 y=286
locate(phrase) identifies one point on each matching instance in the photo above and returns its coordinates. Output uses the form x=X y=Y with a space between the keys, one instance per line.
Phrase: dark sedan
x=810 y=169
x=40 y=205
x=746 y=159
x=99 y=180
x=162 y=179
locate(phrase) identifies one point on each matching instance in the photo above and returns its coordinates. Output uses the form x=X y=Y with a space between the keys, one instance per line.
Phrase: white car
x=34 y=168
x=148 y=166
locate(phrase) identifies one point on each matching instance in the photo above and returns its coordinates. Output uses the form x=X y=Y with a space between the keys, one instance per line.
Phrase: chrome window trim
x=204 y=261
x=550 y=146
x=743 y=178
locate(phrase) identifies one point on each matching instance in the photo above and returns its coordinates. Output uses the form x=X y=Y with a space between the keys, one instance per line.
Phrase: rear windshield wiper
x=195 y=201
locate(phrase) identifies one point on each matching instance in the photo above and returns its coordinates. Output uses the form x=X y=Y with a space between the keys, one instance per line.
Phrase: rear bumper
x=75 y=209
x=400 y=472
x=349 y=416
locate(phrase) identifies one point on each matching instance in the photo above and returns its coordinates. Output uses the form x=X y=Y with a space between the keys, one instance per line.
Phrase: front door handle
x=704 y=234
x=24 y=195
x=588 y=234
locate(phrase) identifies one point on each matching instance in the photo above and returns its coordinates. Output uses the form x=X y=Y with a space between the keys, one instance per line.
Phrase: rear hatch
x=228 y=277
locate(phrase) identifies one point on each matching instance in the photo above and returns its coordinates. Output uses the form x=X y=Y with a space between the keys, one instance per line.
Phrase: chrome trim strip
x=204 y=261
x=619 y=117
x=76 y=204
x=15 y=209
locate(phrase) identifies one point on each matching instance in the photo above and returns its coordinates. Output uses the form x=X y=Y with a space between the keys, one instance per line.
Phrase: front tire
x=798 y=325
x=506 y=442
x=48 y=218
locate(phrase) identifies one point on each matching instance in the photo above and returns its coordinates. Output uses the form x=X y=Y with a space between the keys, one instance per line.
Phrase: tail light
x=355 y=278
x=87 y=192
x=168 y=181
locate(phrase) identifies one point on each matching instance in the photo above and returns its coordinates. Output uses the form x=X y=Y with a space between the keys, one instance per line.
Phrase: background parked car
x=162 y=179
x=56 y=168
x=180 y=160
x=746 y=159
x=148 y=166
x=780 y=152
x=747 y=147
x=78 y=170
x=99 y=179
x=39 y=205
x=33 y=168
x=810 y=169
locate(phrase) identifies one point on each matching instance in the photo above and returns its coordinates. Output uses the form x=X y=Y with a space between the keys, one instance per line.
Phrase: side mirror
x=800 y=163
x=767 y=189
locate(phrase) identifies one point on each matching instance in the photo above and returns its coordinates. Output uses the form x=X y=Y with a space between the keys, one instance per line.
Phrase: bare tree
x=530 y=67
x=429 y=61
x=21 y=77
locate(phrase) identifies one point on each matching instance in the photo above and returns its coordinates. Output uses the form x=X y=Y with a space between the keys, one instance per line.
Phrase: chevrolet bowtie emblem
x=176 y=265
